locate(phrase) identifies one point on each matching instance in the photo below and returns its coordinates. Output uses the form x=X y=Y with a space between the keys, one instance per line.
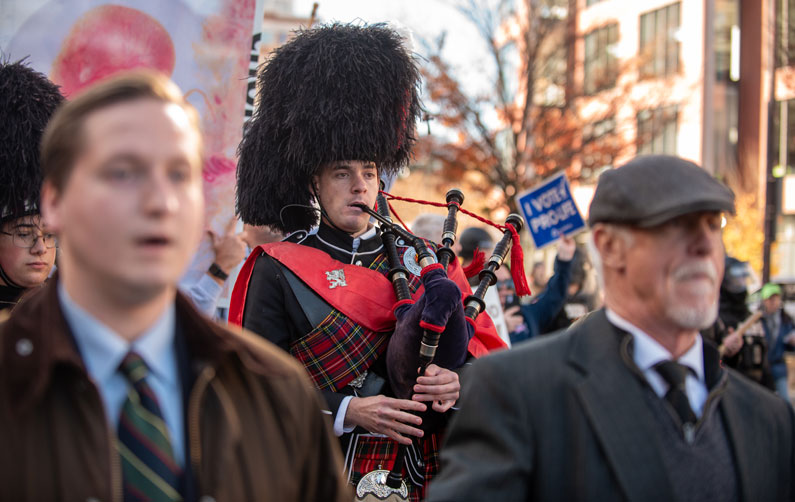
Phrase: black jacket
x=272 y=310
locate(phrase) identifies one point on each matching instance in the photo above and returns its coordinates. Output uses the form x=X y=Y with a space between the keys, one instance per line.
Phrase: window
x=657 y=130
x=659 y=44
x=784 y=114
x=598 y=129
x=601 y=67
x=600 y=146
x=726 y=43
x=553 y=9
x=588 y=3
x=785 y=24
x=550 y=70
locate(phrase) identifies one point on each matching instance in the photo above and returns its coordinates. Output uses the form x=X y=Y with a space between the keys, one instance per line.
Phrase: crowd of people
x=115 y=384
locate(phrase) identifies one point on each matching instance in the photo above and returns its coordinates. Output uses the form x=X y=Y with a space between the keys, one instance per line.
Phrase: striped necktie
x=149 y=470
x=675 y=374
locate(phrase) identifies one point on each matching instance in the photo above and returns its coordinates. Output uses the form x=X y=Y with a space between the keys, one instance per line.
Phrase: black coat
x=272 y=310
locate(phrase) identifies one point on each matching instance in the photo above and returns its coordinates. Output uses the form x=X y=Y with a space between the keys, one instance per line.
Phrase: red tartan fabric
x=485 y=340
x=375 y=452
x=338 y=350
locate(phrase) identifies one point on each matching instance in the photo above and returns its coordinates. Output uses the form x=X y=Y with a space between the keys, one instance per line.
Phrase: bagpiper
x=336 y=113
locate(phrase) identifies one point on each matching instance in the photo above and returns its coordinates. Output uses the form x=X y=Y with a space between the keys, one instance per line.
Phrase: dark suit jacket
x=563 y=418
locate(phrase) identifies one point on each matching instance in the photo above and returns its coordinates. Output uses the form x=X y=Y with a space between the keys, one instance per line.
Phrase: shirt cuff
x=339 y=420
x=204 y=292
x=209 y=285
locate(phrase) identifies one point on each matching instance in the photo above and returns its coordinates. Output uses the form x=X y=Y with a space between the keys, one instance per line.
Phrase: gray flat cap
x=652 y=189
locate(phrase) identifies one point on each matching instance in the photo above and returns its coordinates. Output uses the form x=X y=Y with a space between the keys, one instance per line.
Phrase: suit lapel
x=612 y=399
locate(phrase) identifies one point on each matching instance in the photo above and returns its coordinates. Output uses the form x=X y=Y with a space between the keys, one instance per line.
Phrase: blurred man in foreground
x=629 y=403
x=111 y=385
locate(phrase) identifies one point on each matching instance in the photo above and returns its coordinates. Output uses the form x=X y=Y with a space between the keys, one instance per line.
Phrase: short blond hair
x=63 y=138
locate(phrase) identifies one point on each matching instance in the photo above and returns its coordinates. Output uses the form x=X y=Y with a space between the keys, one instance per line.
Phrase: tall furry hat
x=27 y=101
x=337 y=92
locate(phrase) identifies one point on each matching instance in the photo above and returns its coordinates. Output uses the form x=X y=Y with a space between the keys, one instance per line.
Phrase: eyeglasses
x=26 y=239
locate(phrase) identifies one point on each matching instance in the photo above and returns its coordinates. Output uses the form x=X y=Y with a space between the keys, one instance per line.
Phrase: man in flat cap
x=630 y=403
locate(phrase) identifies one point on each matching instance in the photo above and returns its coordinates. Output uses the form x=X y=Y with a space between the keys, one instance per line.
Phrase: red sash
x=367 y=296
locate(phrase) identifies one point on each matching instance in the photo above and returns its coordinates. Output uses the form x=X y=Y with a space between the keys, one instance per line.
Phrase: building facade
x=700 y=81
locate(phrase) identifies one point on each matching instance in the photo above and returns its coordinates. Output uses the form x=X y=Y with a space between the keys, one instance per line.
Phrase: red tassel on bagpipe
x=478 y=260
x=517 y=255
x=517 y=264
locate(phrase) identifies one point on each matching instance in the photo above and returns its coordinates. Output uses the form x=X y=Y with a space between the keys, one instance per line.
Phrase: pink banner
x=205 y=46
x=210 y=48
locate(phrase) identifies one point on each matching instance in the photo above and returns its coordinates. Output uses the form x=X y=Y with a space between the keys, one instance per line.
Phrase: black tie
x=675 y=374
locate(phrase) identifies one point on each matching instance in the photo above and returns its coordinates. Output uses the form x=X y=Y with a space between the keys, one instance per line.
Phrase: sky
x=464 y=49
x=427 y=19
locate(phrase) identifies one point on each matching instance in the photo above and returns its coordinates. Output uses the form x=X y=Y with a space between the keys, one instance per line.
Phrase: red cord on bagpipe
x=517 y=255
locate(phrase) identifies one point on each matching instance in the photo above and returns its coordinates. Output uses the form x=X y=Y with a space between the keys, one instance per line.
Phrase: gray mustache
x=697 y=268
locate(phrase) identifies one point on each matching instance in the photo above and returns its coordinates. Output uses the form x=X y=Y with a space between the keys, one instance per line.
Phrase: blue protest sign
x=550 y=211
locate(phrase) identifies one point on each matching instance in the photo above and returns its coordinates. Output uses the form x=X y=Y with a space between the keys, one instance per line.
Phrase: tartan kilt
x=368 y=452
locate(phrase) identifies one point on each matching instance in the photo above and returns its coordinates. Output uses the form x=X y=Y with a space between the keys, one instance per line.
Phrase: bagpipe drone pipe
x=437 y=326
x=432 y=328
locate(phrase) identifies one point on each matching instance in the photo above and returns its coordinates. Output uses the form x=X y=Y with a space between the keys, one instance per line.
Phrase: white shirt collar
x=648 y=351
x=369 y=234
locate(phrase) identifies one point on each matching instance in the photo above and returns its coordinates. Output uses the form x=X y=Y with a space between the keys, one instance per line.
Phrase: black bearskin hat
x=337 y=92
x=27 y=101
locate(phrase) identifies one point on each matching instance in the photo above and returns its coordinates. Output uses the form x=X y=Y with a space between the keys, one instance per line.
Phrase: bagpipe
x=437 y=326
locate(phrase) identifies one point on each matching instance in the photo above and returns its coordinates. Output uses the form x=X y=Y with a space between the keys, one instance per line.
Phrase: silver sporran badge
x=373 y=487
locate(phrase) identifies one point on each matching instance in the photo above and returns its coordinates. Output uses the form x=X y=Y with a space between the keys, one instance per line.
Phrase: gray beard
x=690 y=317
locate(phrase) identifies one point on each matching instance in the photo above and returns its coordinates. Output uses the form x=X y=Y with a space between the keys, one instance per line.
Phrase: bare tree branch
x=539 y=128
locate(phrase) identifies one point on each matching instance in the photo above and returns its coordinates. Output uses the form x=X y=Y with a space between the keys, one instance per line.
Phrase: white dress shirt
x=648 y=352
